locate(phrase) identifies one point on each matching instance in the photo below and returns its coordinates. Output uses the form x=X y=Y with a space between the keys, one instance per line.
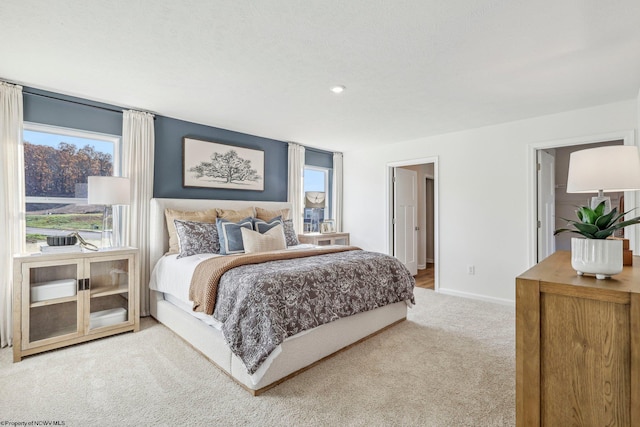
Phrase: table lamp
x=604 y=169
x=108 y=191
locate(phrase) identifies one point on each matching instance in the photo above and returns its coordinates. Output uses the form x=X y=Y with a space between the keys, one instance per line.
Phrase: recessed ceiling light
x=338 y=89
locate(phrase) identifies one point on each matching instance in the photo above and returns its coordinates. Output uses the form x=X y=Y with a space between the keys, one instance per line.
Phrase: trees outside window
x=58 y=162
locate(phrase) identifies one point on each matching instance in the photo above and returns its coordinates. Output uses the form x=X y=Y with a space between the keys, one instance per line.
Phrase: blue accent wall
x=67 y=111
x=168 y=158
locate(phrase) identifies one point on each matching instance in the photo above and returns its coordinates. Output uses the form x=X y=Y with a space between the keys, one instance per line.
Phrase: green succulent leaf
x=588 y=215
x=621 y=216
x=586 y=228
x=594 y=224
x=623 y=224
x=562 y=230
x=603 y=234
x=605 y=221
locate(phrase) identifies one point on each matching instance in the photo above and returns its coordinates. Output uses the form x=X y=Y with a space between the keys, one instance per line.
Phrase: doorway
x=414 y=220
x=550 y=201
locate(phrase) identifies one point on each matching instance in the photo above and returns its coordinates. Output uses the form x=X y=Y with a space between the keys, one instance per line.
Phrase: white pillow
x=272 y=240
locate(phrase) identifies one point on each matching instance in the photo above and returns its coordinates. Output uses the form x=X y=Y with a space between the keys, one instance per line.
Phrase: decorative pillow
x=267 y=215
x=289 y=233
x=230 y=235
x=197 y=238
x=263 y=226
x=235 y=216
x=208 y=216
x=272 y=240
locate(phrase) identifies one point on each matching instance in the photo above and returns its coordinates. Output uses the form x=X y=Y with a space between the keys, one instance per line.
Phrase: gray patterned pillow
x=289 y=233
x=196 y=238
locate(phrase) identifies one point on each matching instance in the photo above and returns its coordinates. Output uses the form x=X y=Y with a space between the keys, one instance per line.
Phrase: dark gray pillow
x=196 y=238
x=230 y=235
x=289 y=233
x=262 y=226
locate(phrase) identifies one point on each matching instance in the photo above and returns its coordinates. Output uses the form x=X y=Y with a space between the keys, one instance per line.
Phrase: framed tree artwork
x=213 y=165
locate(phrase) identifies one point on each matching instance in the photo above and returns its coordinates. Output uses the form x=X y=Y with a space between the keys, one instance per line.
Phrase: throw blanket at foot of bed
x=261 y=305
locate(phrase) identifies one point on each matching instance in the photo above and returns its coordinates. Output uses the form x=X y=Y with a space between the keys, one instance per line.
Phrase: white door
x=546 y=204
x=405 y=213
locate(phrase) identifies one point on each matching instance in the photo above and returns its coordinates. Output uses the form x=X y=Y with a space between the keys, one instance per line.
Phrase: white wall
x=483 y=183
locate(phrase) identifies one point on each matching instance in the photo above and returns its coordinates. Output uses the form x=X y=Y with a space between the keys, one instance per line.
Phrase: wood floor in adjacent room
x=425 y=278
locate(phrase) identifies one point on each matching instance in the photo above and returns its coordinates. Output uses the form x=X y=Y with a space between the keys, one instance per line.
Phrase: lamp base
x=106 y=238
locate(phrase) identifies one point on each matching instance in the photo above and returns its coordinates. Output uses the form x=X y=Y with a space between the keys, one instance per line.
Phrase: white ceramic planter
x=601 y=257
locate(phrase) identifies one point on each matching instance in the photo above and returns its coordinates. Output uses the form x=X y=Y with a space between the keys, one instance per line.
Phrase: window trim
x=77 y=133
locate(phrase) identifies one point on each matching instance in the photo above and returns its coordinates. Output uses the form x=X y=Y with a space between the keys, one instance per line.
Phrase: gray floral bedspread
x=261 y=305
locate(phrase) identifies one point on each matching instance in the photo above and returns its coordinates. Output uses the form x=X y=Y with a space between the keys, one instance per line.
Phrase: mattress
x=173 y=276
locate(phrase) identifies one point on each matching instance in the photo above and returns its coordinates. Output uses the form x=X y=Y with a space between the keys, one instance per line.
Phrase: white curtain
x=137 y=163
x=12 y=225
x=294 y=195
x=337 y=190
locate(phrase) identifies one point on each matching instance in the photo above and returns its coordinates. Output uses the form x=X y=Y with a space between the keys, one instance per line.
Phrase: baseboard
x=422 y=266
x=501 y=301
x=430 y=261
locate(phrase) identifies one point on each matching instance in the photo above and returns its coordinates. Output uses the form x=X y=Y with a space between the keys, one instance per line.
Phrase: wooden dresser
x=577 y=346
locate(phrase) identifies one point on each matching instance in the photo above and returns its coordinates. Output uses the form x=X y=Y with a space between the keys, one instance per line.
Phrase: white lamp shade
x=612 y=168
x=109 y=190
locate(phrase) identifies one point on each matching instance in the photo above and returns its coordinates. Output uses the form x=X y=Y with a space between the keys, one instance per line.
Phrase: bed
x=294 y=355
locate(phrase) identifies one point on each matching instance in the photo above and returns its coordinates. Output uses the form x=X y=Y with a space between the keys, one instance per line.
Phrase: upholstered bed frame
x=298 y=352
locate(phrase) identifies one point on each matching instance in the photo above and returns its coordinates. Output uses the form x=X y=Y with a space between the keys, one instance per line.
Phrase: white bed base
x=298 y=352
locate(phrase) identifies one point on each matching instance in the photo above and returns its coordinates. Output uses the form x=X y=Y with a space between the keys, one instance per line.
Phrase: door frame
x=542 y=218
x=424 y=179
x=627 y=136
x=436 y=210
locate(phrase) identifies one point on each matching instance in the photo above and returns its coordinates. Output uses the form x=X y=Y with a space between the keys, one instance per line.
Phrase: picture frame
x=208 y=164
x=328 y=226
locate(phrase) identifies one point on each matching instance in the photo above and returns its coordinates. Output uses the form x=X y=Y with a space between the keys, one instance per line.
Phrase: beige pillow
x=267 y=215
x=272 y=240
x=235 y=216
x=209 y=216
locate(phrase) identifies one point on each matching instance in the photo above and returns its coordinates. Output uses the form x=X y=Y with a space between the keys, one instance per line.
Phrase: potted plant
x=596 y=254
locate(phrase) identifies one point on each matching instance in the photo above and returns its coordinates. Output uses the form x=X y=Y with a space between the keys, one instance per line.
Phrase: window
x=57 y=164
x=316 y=179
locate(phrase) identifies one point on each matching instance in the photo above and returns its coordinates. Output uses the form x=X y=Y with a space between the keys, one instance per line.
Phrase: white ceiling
x=411 y=68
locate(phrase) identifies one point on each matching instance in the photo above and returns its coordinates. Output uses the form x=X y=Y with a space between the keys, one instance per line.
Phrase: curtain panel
x=138 y=137
x=12 y=216
x=337 y=190
x=295 y=184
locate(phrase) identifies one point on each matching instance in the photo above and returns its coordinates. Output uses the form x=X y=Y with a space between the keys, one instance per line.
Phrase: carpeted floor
x=452 y=363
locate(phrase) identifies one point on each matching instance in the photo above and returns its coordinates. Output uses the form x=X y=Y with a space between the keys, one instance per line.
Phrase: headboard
x=159 y=237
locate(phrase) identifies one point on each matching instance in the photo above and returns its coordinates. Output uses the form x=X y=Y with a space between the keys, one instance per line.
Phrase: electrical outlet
x=471 y=269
